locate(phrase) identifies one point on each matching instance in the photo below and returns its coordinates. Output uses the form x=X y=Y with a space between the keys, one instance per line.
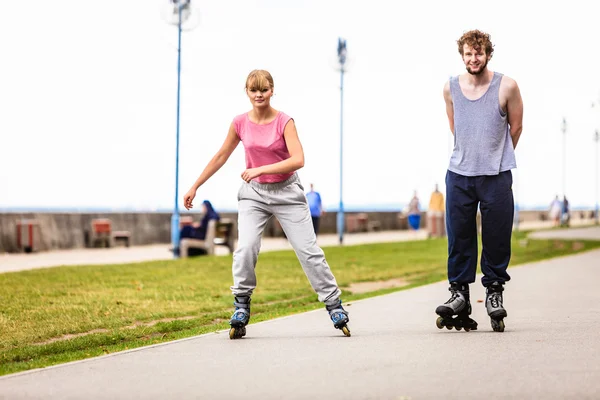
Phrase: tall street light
x=563 y=128
x=180 y=12
x=596 y=139
x=341 y=51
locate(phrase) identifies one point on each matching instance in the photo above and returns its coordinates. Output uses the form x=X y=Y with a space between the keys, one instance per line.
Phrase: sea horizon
x=396 y=207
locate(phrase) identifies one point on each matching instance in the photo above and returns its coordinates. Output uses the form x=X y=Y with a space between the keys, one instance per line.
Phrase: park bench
x=207 y=245
x=122 y=236
x=101 y=234
x=357 y=222
x=225 y=235
x=219 y=233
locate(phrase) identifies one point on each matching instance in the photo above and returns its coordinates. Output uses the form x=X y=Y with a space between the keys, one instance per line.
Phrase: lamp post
x=563 y=127
x=181 y=9
x=341 y=51
x=596 y=139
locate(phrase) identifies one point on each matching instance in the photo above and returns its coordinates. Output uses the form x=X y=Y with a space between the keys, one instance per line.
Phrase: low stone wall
x=68 y=230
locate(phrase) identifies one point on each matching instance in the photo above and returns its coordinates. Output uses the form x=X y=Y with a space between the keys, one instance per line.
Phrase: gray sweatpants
x=257 y=203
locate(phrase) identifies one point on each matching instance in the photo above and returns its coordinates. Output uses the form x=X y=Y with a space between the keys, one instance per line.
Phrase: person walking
x=435 y=213
x=316 y=207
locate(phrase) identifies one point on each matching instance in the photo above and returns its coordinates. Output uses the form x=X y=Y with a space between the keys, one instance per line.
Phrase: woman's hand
x=188 y=198
x=251 y=173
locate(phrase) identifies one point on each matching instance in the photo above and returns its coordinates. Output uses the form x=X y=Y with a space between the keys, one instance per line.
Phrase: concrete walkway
x=587 y=233
x=11 y=262
x=550 y=350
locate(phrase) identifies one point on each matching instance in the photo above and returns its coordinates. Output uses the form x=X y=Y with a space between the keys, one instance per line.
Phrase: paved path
x=117 y=255
x=588 y=233
x=10 y=262
x=550 y=350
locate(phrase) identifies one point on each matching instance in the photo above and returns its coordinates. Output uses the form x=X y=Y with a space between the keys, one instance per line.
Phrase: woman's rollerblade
x=240 y=317
x=493 y=304
x=455 y=312
x=339 y=316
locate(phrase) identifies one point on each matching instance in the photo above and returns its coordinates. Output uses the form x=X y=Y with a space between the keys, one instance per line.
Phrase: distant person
x=485 y=113
x=316 y=207
x=271 y=187
x=198 y=231
x=435 y=213
x=566 y=213
x=414 y=212
x=555 y=211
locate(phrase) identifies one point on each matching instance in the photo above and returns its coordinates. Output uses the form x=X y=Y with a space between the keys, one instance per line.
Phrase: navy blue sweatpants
x=494 y=196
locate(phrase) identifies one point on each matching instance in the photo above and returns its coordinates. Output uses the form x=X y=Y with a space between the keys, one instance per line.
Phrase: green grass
x=56 y=315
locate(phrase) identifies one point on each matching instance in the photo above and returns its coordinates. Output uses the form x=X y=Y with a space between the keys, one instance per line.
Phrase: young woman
x=271 y=187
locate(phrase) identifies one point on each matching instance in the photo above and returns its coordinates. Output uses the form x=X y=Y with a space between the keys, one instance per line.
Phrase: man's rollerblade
x=493 y=304
x=240 y=317
x=339 y=316
x=455 y=312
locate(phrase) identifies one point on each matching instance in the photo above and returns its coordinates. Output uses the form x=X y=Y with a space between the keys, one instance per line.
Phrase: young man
x=485 y=112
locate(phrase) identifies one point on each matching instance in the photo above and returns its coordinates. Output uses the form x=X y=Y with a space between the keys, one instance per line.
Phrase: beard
x=481 y=69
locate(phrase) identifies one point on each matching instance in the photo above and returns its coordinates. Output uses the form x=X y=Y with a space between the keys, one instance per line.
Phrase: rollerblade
x=455 y=312
x=339 y=316
x=493 y=304
x=240 y=317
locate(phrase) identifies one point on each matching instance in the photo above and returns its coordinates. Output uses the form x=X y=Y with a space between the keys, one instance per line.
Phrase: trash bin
x=28 y=235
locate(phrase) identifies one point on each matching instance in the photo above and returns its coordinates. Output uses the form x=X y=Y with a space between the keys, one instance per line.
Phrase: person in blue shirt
x=316 y=207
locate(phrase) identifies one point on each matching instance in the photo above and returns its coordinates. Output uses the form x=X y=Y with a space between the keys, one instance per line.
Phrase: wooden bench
x=357 y=223
x=207 y=244
x=219 y=233
x=374 y=226
x=100 y=233
x=124 y=236
x=225 y=235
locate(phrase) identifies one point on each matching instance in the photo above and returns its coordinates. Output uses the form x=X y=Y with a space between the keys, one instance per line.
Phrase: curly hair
x=477 y=40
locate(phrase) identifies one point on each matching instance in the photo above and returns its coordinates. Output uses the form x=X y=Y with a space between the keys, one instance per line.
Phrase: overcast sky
x=88 y=96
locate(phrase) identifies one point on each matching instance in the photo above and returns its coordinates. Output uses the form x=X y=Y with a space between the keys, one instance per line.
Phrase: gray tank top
x=482 y=142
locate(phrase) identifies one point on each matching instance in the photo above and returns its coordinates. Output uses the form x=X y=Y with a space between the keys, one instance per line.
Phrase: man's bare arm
x=514 y=108
x=449 y=106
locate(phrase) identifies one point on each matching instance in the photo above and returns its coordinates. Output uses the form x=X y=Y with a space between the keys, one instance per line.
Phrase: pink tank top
x=264 y=144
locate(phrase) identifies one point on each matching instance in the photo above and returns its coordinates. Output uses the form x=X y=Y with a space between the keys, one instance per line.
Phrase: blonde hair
x=259 y=79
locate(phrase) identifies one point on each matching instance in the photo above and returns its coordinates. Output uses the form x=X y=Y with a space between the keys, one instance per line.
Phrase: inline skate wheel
x=346 y=330
x=498 y=326
x=237 y=333
x=439 y=322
